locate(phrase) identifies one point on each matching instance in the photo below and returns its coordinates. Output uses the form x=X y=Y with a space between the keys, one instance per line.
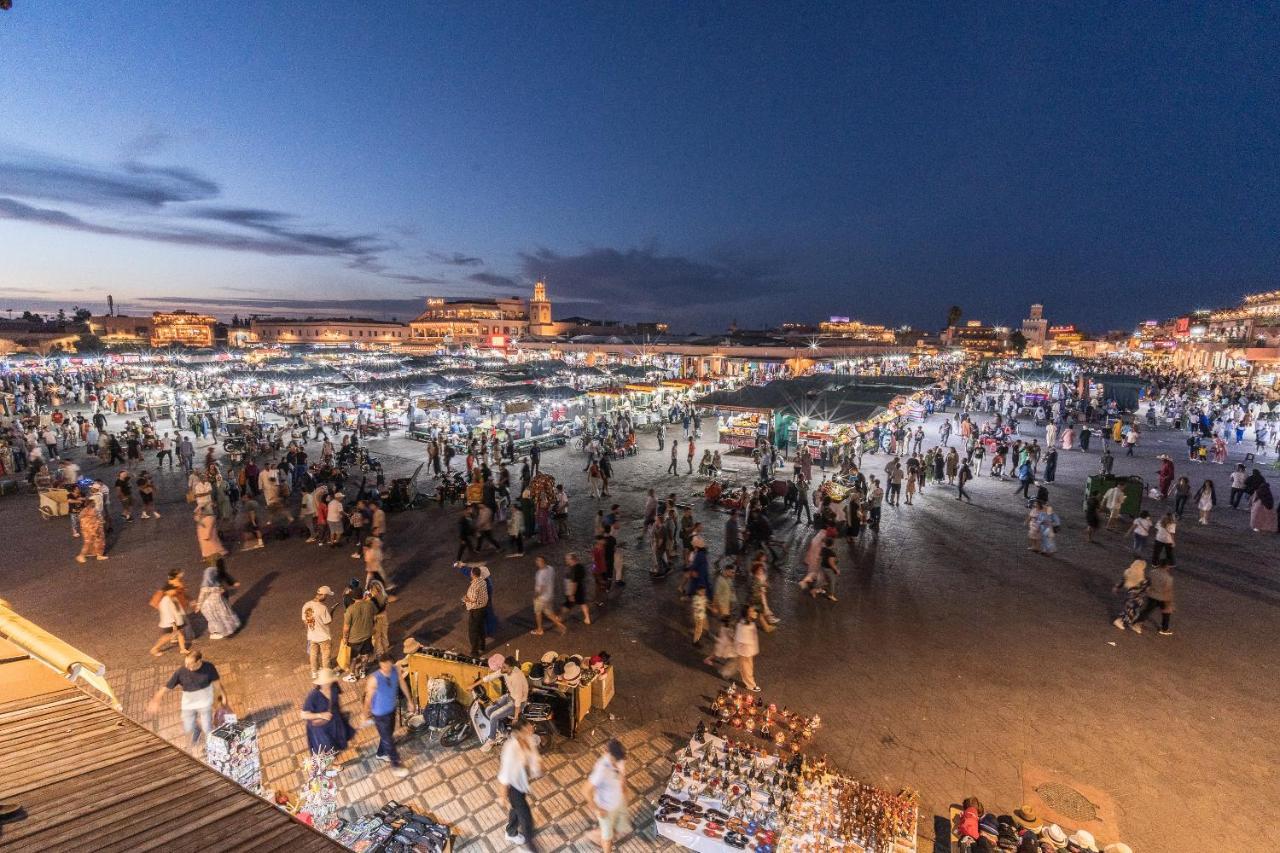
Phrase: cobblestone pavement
x=954 y=662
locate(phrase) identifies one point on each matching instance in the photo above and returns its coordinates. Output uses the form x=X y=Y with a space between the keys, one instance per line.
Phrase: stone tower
x=539 y=310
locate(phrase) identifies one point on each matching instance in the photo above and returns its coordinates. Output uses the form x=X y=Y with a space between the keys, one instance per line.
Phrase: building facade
x=117 y=329
x=475 y=321
x=1255 y=321
x=1035 y=329
x=328 y=330
x=182 y=328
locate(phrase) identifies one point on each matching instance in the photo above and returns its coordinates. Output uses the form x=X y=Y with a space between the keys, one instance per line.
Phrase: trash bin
x=1134 y=488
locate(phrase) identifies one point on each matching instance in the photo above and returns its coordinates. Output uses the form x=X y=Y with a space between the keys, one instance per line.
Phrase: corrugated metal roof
x=90 y=779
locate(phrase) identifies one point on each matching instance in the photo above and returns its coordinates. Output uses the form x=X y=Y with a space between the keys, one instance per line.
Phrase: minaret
x=539 y=308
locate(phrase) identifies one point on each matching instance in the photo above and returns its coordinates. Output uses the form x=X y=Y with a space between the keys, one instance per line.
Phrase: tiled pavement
x=954 y=662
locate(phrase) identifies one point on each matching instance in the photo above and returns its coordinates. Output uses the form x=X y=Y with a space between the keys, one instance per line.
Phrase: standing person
x=544 y=582
x=186 y=454
x=1141 y=532
x=1134 y=585
x=212 y=604
x=357 y=633
x=1164 y=477
x=327 y=727
x=520 y=764
x=1181 y=495
x=1206 y=500
x=147 y=491
x=746 y=645
x=1238 y=478
x=201 y=690
x=380 y=701
x=317 y=615
x=575 y=586
x=689 y=456
x=173 y=622
x=674 y=468
x=1166 y=527
x=1092 y=519
x=476 y=603
x=606 y=789
x=93 y=542
x=1051 y=464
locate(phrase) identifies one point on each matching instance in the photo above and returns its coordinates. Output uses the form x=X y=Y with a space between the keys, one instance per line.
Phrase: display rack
x=232 y=750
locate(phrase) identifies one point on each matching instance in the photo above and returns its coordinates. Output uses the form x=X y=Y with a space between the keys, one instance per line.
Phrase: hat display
x=549 y=658
x=324 y=590
x=1025 y=816
x=572 y=672
x=1084 y=840
x=1054 y=835
x=496 y=661
x=324 y=678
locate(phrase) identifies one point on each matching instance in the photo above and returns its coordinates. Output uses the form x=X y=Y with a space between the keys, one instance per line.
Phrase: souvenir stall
x=746 y=782
x=571 y=685
x=232 y=750
x=395 y=828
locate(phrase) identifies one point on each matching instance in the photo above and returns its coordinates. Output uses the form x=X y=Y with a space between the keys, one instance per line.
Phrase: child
x=724 y=655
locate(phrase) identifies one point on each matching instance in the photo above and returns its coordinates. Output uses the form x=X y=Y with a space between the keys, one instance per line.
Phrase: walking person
x=962 y=478
x=1262 y=508
x=357 y=632
x=606 y=790
x=544 y=582
x=1165 y=529
x=1159 y=595
x=520 y=764
x=746 y=645
x=93 y=534
x=674 y=468
x=212 y=605
x=381 y=699
x=575 y=586
x=124 y=494
x=689 y=456
x=1112 y=501
x=1134 y=586
x=200 y=686
x=174 y=627
x=1141 y=532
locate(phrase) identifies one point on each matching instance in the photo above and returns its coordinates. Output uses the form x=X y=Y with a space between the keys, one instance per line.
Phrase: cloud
x=169 y=197
x=133 y=185
x=646 y=282
x=489 y=279
x=454 y=259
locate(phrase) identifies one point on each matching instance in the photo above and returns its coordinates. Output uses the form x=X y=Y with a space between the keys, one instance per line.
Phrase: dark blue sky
x=694 y=162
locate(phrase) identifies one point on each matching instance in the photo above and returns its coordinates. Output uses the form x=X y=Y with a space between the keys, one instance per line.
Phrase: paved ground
x=954 y=662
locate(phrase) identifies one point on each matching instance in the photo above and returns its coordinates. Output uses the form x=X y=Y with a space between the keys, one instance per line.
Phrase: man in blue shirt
x=380 y=707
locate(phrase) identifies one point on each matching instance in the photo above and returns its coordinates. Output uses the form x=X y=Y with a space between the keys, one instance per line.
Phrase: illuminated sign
x=497 y=341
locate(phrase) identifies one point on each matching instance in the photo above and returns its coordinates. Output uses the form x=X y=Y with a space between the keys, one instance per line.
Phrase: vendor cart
x=54 y=503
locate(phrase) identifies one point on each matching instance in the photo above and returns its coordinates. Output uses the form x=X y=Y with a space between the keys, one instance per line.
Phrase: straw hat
x=1084 y=840
x=324 y=678
x=1026 y=817
x=411 y=645
x=549 y=658
x=1054 y=835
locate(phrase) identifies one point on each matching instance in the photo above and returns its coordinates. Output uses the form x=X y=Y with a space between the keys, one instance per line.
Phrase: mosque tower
x=540 y=310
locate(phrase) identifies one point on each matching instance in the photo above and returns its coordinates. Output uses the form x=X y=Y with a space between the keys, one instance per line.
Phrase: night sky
x=692 y=162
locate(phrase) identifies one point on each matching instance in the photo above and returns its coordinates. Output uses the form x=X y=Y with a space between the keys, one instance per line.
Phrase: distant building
x=977 y=337
x=118 y=329
x=540 y=311
x=325 y=330
x=1035 y=329
x=182 y=328
x=37 y=337
x=843 y=327
x=1256 y=320
x=475 y=321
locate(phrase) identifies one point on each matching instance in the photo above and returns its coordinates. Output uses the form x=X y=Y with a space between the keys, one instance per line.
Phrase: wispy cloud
x=169 y=204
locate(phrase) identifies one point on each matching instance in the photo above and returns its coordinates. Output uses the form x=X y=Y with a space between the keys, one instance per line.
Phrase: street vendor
x=513 y=678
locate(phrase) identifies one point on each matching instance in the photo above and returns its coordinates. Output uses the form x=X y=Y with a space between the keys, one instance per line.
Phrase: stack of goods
x=745 y=784
x=318 y=799
x=543 y=488
x=833 y=812
x=740 y=710
x=833 y=490
x=727 y=794
x=566 y=673
x=396 y=829
x=232 y=750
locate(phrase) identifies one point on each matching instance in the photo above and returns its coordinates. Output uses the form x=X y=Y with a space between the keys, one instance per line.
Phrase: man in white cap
x=316 y=615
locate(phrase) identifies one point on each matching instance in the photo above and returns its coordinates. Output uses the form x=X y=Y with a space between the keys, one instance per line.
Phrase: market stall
x=747 y=783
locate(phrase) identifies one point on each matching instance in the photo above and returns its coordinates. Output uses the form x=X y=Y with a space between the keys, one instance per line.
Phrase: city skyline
x=666 y=163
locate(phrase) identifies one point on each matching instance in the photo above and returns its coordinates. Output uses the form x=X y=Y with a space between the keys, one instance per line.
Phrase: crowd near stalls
x=270 y=449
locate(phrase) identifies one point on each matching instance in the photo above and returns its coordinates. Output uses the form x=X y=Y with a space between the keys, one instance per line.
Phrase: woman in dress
x=212 y=603
x=547 y=532
x=327 y=726
x=1206 y=500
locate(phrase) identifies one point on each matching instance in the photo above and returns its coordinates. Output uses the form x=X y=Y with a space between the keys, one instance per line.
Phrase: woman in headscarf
x=327 y=726
x=93 y=534
x=1262 y=509
x=212 y=603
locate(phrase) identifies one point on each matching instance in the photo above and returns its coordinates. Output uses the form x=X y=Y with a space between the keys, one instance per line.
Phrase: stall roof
x=89 y=778
x=812 y=396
